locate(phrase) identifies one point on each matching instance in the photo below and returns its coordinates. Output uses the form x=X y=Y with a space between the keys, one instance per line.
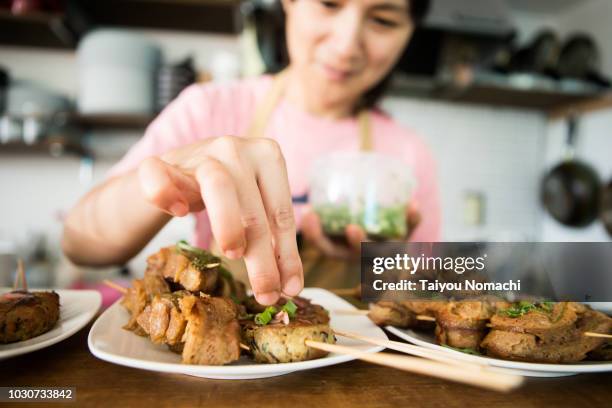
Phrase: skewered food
x=212 y=335
x=463 y=324
x=283 y=338
x=403 y=314
x=552 y=334
x=192 y=268
x=207 y=327
x=526 y=331
x=24 y=314
x=603 y=353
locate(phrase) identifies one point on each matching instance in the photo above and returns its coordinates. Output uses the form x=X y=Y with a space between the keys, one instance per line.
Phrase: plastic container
x=367 y=189
x=117 y=73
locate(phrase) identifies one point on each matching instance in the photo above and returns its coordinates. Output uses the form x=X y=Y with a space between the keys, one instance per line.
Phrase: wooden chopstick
x=483 y=379
x=414 y=350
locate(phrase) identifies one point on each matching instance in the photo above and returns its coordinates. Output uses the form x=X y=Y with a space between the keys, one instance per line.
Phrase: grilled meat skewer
x=547 y=336
x=285 y=342
x=24 y=315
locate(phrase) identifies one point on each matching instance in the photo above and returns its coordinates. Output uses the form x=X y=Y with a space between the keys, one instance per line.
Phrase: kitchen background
x=494 y=135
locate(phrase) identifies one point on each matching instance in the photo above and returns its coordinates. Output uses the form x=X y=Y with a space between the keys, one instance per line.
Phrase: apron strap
x=265 y=109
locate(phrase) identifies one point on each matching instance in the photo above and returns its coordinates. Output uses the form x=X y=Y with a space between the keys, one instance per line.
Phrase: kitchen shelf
x=53 y=147
x=547 y=97
x=63 y=30
x=48 y=30
x=215 y=16
x=116 y=121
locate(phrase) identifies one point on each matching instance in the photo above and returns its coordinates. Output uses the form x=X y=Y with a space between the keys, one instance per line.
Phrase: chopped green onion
x=464 y=350
x=290 y=308
x=266 y=316
x=200 y=258
x=523 y=307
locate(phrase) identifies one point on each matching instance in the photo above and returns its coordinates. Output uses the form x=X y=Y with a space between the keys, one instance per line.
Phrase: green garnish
x=226 y=274
x=523 y=307
x=378 y=221
x=464 y=350
x=200 y=258
x=266 y=316
x=290 y=308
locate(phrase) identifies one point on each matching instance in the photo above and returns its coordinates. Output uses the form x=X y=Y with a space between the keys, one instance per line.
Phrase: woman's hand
x=312 y=231
x=243 y=184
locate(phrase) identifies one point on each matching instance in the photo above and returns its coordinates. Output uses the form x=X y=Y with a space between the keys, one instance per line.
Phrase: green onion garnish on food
x=523 y=307
x=200 y=258
x=464 y=350
x=290 y=308
x=266 y=316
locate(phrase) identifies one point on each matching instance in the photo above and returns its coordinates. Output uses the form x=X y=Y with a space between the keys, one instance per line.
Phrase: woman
x=339 y=51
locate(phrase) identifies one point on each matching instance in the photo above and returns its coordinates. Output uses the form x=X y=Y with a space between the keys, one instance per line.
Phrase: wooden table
x=353 y=384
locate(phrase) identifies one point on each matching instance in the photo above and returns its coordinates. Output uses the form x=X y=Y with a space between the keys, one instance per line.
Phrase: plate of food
x=534 y=339
x=32 y=320
x=187 y=315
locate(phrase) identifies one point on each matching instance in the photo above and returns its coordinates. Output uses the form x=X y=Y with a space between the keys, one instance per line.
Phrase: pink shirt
x=212 y=110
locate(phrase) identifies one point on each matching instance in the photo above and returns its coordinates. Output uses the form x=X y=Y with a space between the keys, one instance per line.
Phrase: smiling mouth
x=336 y=74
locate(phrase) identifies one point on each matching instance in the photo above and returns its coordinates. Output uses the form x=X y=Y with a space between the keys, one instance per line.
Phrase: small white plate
x=426 y=339
x=108 y=341
x=77 y=307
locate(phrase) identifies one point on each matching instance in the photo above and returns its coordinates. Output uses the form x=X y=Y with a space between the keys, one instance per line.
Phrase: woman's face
x=342 y=48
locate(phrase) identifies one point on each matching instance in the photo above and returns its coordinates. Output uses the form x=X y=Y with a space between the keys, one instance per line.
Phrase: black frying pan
x=606 y=208
x=571 y=191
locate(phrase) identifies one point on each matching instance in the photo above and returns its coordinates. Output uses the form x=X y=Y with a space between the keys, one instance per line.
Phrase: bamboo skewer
x=361 y=312
x=20 y=278
x=115 y=286
x=602 y=335
x=478 y=378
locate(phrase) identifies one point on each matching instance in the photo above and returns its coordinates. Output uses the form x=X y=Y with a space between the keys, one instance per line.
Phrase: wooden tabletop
x=353 y=384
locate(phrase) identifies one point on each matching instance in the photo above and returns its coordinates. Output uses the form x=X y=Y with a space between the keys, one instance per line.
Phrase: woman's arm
x=112 y=223
x=180 y=168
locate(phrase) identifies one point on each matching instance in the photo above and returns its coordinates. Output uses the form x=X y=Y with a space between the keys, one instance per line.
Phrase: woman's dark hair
x=273 y=45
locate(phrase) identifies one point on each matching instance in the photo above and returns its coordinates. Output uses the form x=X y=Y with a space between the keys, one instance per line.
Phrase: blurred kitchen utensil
x=606 y=208
x=539 y=56
x=580 y=59
x=571 y=191
x=172 y=79
x=8 y=262
x=28 y=98
x=117 y=73
x=4 y=83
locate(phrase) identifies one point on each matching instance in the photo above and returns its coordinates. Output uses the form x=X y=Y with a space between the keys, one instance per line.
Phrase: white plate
x=108 y=341
x=77 y=307
x=426 y=339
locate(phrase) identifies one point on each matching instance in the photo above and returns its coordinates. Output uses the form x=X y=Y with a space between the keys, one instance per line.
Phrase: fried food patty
x=280 y=343
x=24 y=315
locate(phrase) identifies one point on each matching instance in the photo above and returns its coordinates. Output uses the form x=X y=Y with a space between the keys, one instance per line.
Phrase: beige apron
x=319 y=270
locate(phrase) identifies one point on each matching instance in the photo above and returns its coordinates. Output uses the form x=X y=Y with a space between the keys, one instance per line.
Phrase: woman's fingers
x=313 y=232
x=413 y=217
x=355 y=235
x=220 y=197
x=158 y=187
x=273 y=185
x=259 y=255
